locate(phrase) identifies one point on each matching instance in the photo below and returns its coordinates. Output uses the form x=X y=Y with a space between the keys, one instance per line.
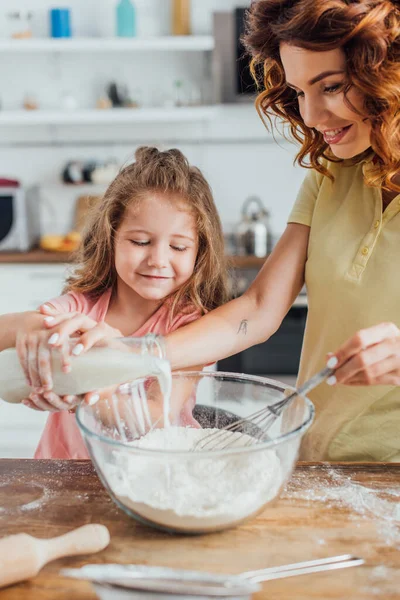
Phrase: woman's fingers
x=52 y=320
x=370 y=357
x=376 y=367
x=92 y=337
x=47 y=309
x=70 y=326
x=365 y=338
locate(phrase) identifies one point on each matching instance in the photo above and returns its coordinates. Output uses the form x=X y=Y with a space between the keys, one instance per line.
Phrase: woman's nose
x=313 y=112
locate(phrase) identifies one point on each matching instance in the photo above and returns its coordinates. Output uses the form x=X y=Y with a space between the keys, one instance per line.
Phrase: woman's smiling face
x=319 y=79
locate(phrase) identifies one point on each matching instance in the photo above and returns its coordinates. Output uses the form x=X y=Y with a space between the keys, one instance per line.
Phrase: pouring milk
x=96 y=369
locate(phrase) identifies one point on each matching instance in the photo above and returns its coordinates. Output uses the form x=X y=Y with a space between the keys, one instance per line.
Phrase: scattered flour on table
x=335 y=489
x=196 y=491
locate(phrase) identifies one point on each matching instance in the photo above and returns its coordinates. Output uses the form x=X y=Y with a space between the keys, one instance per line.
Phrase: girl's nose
x=157 y=257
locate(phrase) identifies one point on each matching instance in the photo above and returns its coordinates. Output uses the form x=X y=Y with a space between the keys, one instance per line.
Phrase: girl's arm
x=251 y=318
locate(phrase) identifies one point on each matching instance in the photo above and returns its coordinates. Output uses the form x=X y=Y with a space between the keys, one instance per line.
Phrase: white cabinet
x=20 y=430
x=25 y=287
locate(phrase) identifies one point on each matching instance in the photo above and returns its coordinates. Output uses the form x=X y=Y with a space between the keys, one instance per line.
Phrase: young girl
x=151 y=260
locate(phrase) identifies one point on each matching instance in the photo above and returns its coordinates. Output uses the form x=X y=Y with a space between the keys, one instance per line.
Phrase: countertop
x=42 y=257
x=326 y=510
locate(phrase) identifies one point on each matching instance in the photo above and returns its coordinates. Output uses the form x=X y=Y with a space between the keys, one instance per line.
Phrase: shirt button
x=376 y=224
x=365 y=251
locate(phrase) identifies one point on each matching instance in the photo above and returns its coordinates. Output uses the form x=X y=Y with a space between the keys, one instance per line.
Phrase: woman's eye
x=179 y=248
x=331 y=89
x=299 y=94
x=139 y=243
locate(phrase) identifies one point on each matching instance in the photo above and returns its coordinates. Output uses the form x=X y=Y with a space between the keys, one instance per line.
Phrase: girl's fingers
x=33 y=363
x=65 y=403
x=44 y=365
x=364 y=339
x=22 y=351
x=29 y=404
x=40 y=403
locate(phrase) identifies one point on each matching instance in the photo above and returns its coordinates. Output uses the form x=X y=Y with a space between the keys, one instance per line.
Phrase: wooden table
x=48 y=498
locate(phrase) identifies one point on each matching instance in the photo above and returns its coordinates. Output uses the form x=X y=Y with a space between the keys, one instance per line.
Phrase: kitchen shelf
x=109 y=116
x=186 y=43
x=42 y=256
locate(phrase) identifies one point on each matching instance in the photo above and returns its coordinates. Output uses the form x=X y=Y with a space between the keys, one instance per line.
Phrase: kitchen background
x=73 y=109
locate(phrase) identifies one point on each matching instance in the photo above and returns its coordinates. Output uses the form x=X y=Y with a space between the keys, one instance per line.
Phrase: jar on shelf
x=181 y=17
x=19 y=24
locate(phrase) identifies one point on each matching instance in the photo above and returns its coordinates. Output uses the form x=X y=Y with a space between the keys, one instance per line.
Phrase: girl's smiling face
x=319 y=79
x=156 y=246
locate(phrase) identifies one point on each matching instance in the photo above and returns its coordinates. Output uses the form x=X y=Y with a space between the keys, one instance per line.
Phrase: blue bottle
x=126 y=19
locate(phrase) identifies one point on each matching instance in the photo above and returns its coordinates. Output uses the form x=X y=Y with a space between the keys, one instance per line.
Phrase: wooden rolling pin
x=22 y=556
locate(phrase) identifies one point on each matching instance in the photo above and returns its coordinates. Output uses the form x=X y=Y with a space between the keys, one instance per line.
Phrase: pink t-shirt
x=61 y=437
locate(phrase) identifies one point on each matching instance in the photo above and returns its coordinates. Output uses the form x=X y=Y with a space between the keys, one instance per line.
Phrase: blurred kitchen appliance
x=253 y=231
x=84 y=205
x=232 y=79
x=19 y=217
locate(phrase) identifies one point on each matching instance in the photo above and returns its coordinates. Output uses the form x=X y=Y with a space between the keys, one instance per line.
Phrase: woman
x=332 y=73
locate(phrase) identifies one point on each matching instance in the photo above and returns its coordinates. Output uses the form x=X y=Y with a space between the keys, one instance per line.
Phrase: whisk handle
x=310 y=384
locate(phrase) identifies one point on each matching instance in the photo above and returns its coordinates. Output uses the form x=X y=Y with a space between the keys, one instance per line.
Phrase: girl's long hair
x=368 y=31
x=166 y=173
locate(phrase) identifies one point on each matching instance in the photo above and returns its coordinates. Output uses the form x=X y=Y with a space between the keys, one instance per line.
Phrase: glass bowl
x=144 y=454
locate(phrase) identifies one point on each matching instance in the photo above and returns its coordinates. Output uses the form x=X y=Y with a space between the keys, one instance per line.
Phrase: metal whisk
x=260 y=421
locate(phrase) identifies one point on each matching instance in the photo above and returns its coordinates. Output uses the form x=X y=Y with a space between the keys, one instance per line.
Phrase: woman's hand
x=370 y=357
x=86 y=331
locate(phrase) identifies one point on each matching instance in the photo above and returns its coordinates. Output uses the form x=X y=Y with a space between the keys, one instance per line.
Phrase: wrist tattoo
x=243 y=327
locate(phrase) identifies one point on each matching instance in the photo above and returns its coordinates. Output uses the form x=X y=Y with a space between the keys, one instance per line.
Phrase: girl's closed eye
x=179 y=248
x=140 y=242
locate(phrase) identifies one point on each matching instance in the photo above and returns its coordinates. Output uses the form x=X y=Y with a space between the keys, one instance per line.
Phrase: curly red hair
x=368 y=31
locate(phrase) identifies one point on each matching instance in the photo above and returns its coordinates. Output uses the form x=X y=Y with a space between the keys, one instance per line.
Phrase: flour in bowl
x=193 y=492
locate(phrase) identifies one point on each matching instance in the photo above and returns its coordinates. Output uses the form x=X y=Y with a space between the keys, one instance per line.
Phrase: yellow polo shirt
x=353 y=281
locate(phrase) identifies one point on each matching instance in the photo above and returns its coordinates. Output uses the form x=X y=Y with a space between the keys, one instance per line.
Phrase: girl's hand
x=34 y=355
x=49 y=401
x=370 y=357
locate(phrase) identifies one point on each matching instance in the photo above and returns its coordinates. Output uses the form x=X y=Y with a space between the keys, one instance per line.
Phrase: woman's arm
x=251 y=318
x=11 y=323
